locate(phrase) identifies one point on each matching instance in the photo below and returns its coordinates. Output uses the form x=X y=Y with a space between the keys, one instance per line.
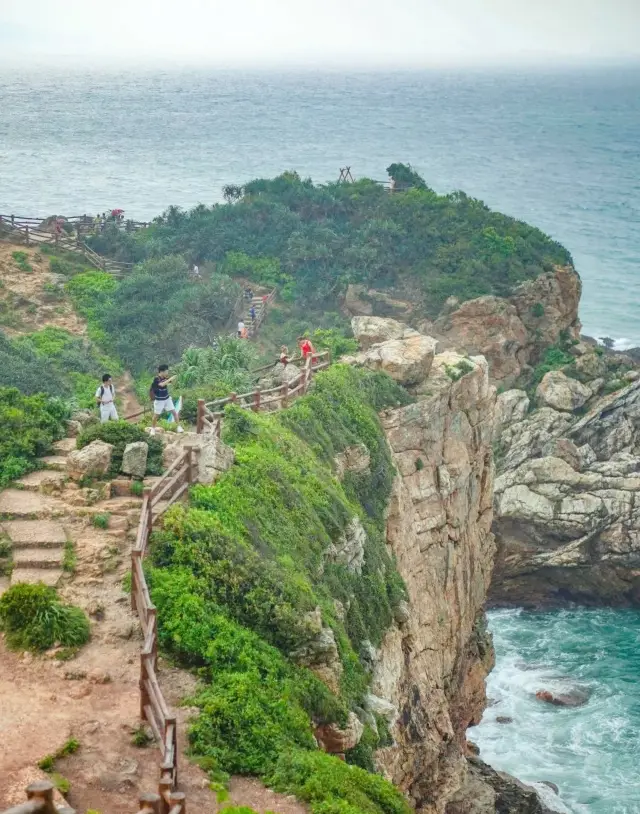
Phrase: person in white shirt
x=105 y=397
x=240 y=329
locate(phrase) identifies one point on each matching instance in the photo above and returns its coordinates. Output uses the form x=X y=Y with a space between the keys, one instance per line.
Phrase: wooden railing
x=40 y=801
x=153 y=707
x=25 y=231
x=260 y=304
x=210 y=414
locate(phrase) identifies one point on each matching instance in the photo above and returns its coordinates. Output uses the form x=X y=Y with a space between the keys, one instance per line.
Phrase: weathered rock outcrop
x=511 y=332
x=567 y=514
x=393 y=347
x=558 y=391
x=431 y=667
x=93 y=460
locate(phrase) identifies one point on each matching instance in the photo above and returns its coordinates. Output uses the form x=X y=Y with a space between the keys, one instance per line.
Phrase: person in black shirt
x=162 y=401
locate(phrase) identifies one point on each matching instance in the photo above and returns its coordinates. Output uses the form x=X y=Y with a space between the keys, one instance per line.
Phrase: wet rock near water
x=572 y=698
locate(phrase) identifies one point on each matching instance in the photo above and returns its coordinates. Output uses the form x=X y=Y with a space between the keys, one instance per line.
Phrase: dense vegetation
x=29 y=424
x=156 y=312
x=245 y=581
x=312 y=240
x=33 y=617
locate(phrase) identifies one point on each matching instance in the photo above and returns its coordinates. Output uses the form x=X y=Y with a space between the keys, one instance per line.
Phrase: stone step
x=43 y=533
x=49 y=576
x=65 y=445
x=35 y=481
x=37 y=557
x=56 y=462
x=17 y=503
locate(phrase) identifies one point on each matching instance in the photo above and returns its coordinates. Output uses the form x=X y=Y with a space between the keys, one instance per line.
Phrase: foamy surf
x=591 y=753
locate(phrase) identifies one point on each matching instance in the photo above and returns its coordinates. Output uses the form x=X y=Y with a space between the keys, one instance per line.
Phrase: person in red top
x=306 y=348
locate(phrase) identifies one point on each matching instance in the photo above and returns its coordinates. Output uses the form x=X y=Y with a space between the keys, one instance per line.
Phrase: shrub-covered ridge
x=244 y=577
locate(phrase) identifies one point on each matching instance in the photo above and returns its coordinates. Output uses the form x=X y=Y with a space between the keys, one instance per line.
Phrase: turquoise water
x=592 y=753
x=559 y=150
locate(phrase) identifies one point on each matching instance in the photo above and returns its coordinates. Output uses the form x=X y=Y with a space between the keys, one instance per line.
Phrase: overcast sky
x=321 y=32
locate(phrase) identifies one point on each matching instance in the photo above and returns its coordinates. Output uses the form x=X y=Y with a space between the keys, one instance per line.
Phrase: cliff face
x=432 y=666
x=509 y=332
x=566 y=504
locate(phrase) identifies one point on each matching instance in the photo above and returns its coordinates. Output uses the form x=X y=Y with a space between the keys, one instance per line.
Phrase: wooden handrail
x=255 y=399
x=153 y=706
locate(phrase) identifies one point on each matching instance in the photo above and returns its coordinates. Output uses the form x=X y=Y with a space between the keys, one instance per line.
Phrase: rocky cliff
x=429 y=673
x=567 y=518
x=510 y=333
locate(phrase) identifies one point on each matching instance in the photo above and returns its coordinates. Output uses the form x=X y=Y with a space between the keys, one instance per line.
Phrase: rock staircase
x=260 y=303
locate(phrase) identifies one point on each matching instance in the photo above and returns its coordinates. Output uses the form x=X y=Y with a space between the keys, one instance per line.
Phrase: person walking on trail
x=306 y=348
x=196 y=271
x=252 y=313
x=241 y=329
x=284 y=355
x=105 y=398
x=162 y=401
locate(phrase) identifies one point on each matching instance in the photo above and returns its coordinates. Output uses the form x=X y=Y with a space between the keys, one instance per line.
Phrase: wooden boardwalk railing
x=29 y=232
x=210 y=414
x=153 y=707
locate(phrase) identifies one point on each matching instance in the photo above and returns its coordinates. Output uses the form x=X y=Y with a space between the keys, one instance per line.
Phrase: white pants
x=163 y=406
x=108 y=411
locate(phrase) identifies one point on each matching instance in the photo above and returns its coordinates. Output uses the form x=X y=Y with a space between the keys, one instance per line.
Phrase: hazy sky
x=317 y=32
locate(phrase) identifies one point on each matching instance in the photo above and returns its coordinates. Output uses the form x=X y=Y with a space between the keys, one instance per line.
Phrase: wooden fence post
x=150 y=802
x=164 y=789
x=26 y=232
x=13 y=218
x=233 y=397
x=42 y=790
x=285 y=395
x=256 y=401
x=329 y=356
x=134 y=580
x=144 y=694
x=146 y=503
x=200 y=417
x=152 y=614
x=179 y=798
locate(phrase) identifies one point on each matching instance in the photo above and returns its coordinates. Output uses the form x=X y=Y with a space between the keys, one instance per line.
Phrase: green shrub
x=121 y=433
x=613 y=386
x=136 y=488
x=28 y=427
x=70 y=747
x=22 y=261
x=101 y=521
x=34 y=618
x=537 y=310
x=62 y=784
x=330 y=786
x=459 y=369
x=555 y=358
x=141 y=737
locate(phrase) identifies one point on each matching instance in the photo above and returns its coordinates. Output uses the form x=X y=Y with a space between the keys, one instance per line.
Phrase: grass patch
x=70 y=747
x=34 y=618
x=136 y=488
x=69 y=558
x=141 y=737
x=101 y=521
x=21 y=260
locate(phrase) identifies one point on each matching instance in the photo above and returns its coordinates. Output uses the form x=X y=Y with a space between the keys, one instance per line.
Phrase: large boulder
x=355 y=458
x=213 y=456
x=93 y=460
x=561 y=392
x=370 y=331
x=337 y=741
x=134 y=459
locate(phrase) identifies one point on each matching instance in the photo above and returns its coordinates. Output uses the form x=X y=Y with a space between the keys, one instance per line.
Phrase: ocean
x=592 y=753
x=559 y=150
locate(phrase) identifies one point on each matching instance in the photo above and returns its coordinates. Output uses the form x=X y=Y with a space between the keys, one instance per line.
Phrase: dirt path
x=95 y=697
x=129 y=399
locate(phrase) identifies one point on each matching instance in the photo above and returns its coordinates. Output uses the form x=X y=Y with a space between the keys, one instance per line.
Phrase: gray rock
x=511 y=406
x=134 y=459
x=93 y=460
x=349 y=548
x=370 y=331
x=561 y=392
x=380 y=706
